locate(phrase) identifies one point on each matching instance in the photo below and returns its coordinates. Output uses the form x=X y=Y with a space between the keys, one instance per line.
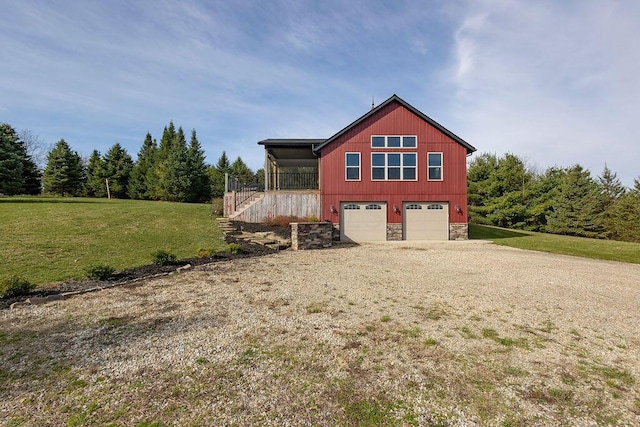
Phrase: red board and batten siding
x=394 y=119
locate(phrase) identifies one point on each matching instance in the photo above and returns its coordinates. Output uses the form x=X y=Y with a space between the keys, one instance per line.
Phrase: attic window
x=394 y=141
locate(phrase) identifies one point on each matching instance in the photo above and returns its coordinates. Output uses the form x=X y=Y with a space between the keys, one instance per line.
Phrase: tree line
x=172 y=170
x=504 y=191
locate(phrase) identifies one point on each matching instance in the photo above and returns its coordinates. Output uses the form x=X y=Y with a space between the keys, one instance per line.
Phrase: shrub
x=235 y=248
x=217 y=206
x=14 y=287
x=163 y=257
x=100 y=272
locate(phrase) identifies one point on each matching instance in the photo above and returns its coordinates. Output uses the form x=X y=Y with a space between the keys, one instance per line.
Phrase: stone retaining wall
x=311 y=235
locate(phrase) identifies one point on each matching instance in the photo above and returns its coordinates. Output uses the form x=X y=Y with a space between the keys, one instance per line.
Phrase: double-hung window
x=394 y=166
x=434 y=166
x=352 y=166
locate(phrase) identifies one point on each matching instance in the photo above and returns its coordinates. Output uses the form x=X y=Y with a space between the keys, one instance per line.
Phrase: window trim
x=346 y=176
x=402 y=167
x=441 y=167
x=386 y=142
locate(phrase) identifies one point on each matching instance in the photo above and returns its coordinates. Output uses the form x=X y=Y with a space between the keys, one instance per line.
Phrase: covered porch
x=290 y=164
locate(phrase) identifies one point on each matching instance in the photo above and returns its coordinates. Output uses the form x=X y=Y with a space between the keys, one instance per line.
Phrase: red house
x=393 y=174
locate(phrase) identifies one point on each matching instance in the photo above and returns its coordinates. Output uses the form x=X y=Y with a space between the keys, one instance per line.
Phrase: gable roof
x=395 y=98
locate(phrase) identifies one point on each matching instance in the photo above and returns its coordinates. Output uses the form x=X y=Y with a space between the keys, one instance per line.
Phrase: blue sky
x=555 y=82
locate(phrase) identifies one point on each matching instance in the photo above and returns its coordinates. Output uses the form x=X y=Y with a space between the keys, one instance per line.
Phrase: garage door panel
x=363 y=222
x=426 y=221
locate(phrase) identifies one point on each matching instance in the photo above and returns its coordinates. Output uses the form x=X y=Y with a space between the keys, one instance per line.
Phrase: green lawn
x=52 y=239
x=579 y=246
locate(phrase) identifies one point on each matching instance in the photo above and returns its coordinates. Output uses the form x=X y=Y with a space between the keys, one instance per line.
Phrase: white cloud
x=550 y=81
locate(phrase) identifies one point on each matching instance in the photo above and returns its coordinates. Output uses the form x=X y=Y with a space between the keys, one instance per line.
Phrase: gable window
x=352 y=166
x=394 y=166
x=434 y=166
x=394 y=141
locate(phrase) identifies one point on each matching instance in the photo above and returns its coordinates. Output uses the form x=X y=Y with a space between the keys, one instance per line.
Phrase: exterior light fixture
x=458 y=209
x=332 y=209
x=395 y=209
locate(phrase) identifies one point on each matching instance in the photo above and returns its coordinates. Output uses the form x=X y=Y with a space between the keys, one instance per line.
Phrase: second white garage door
x=363 y=221
x=426 y=221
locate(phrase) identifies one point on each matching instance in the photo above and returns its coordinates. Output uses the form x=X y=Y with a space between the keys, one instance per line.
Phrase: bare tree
x=36 y=148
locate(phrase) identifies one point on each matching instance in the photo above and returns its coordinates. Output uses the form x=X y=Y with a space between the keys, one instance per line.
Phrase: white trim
x=441 y=166
x=401 y=166
x=346 y=178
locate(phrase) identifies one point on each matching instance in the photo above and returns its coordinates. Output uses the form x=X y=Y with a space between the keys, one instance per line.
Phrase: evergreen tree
x=260 y=176
x=480 y=175
x=624 y=217
x=95 y=185
x=200 y=185
x=610 y=186
x=141 y=183
x=11 y=161
x=31 y=177
x=64 y=174
x=578 y=207
x=179 y=182
x=216 y=175
x=241 y=171
x=117 y=169
x=543 y=191
x=161 y=190
x=611 y=190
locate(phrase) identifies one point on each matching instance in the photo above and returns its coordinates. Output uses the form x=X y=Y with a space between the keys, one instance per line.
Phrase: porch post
x=267 y=170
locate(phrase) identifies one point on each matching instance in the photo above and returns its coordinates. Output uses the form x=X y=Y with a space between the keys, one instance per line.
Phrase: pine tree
x=611 y=190
x=95 y=185
x=200 y=186
x=578 y=208
x=610 y=186
x=624 y=217
x=178 y=182
x=64 y=174
x=31 y=177
x=11 y=161
x=161 y=190
x=117 y=169
x=216 y=175
x=241 y=171
x=142 y=179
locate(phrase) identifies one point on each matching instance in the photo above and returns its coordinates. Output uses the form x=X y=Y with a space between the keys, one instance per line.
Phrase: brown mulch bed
x=248 y=250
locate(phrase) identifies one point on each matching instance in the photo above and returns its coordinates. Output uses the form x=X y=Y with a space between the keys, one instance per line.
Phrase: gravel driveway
x=396 y=333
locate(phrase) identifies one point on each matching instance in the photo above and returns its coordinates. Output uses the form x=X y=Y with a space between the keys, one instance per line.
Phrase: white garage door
x=426 y=221
x=363 y=221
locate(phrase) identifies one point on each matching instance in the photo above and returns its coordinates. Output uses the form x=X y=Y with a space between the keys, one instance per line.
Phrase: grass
x=46 y=239
x=579 y=246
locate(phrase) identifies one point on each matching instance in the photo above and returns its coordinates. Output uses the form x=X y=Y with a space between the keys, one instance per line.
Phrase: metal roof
x=395 y=98
x=297 y=142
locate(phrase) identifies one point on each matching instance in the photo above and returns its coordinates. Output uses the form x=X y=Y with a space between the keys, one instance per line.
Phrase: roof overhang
x=292 y=152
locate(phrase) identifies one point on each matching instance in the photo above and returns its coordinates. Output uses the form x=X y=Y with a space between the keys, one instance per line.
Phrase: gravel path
x=396 y=333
